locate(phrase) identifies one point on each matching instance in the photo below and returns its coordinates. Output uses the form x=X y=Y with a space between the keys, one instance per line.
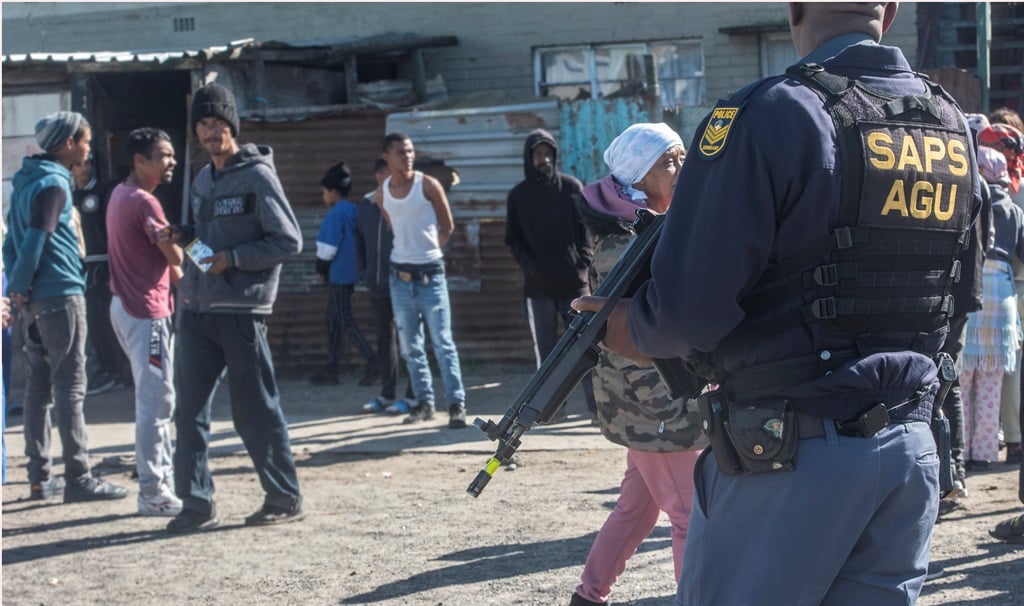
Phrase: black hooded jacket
x=544 y=230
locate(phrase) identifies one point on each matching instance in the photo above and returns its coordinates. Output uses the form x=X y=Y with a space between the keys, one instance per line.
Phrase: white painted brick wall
x=496 y=40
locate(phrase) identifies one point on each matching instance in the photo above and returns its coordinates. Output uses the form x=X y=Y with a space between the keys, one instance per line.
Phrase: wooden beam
x=351 y=80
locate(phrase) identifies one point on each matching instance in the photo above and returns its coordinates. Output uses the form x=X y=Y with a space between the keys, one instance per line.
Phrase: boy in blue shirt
x=336 y=267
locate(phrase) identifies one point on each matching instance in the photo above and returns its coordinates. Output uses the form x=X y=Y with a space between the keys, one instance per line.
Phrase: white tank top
x=414 y=223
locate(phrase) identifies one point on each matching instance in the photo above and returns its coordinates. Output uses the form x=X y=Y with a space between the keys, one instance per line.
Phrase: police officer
x=813 y=282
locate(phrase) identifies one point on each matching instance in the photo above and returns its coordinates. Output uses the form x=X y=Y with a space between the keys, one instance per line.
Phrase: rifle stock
x=575 y=354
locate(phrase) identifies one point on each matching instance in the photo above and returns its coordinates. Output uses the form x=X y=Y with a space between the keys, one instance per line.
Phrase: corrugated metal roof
x=157 y=57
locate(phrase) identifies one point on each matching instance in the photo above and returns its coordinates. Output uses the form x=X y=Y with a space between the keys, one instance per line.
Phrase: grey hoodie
x=243 y=211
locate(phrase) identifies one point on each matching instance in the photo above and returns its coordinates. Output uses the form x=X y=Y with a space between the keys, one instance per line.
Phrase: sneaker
x=934 y=571
x=101 y=385
x=400 y=407
x=89 y=488
x=324 y=377
x=1010 y=531
x=421 y=412
x=457 y=416
x=275 y=514
x=190 y=520
x=47 y=489
x=163 y=503
x=377 y=405
x=959 y=491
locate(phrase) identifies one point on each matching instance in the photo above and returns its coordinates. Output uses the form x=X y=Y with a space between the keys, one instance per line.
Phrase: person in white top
x=417 y=209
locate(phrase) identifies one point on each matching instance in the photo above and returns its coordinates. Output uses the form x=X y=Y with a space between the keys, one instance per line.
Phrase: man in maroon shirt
x=142 y=269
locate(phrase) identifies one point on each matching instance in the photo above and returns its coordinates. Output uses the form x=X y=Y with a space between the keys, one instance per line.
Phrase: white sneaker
x=163 y=503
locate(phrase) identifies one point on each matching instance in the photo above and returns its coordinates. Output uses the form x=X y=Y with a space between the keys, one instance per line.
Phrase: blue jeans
x=851 y=524
x=54 y=332
x=416 y=300
x=204 y=344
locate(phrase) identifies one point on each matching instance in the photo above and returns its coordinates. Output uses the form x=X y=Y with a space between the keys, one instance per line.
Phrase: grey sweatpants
x=147 y=343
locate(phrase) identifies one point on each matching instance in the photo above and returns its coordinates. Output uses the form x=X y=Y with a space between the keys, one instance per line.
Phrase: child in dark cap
x=336 y=267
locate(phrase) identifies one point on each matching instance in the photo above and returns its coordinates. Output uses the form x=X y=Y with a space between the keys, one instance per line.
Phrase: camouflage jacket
x=633 y=406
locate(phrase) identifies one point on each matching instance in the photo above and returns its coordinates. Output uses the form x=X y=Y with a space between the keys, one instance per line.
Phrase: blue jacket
x=336 y=242
x=42 y=264
x=772 y=190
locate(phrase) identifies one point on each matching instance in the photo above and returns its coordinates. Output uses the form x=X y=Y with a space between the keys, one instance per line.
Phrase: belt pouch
x=713 y=409
x=763 y=434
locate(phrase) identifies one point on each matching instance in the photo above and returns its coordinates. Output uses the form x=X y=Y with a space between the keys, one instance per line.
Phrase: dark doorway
x=126 y=101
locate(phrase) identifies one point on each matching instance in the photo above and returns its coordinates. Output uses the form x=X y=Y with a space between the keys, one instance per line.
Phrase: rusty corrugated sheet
x=303 y=151
x=588 y=127
x=488 y=325
x=485 y=281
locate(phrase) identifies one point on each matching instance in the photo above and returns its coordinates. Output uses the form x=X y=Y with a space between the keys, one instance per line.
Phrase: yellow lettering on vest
x=877 y=142
x=945 y=213
x=909 y=155
x=920 y=204
x=958 y=161
x=896 y=200
x=933 y=150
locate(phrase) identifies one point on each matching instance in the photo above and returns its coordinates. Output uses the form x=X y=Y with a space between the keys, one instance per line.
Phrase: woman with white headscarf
x=662 y=435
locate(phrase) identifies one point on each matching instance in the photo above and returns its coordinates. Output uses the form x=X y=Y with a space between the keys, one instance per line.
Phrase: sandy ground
x=389 y=521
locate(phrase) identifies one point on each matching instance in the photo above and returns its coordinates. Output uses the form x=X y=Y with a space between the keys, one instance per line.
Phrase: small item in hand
x=197 y=250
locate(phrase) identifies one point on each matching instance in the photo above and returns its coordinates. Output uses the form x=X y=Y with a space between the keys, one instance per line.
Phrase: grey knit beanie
x=53 y=130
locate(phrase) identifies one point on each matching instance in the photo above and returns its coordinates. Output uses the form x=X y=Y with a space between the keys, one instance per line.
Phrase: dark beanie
x=338 y=178
x=213 y=100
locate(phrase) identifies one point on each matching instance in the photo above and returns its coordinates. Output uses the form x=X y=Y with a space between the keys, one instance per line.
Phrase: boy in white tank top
x=417 y=210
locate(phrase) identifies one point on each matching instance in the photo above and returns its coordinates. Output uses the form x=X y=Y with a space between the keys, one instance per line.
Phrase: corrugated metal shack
x=304 y=102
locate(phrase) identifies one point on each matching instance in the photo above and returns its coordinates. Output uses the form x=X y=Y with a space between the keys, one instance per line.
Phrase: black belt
x=770 y=378
x=415 y=275
x=874 y=420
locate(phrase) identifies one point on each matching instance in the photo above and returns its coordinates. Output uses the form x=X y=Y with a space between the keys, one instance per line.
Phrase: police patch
x=716 y=133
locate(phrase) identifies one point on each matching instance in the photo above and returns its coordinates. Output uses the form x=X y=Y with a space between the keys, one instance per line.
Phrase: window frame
x=594 y=84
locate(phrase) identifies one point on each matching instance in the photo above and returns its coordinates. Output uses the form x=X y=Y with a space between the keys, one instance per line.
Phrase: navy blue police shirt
x=765 y=186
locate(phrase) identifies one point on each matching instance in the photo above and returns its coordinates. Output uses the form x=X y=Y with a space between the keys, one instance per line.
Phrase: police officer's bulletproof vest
x=907 y=196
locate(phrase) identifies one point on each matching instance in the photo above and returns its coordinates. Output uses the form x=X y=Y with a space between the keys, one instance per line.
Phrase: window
x=607 y=69
x=777 y=53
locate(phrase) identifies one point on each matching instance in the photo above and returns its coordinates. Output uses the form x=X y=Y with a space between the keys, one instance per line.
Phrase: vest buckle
x=826 y=275
x=824 y=309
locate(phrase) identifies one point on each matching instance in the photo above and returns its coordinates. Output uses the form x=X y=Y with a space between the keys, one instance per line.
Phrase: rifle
x=576 y=353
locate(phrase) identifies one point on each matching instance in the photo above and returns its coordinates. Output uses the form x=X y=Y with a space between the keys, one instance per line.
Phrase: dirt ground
x=389 y=521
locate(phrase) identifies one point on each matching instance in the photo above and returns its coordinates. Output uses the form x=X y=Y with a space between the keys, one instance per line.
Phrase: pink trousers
x=981 y=391
x=654 y=482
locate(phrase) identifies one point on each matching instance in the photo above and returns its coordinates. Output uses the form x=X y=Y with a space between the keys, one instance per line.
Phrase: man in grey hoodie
x=242 y=229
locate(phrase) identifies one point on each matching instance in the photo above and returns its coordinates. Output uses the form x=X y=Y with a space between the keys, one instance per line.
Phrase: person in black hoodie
x=373 y=252
x=546 y=235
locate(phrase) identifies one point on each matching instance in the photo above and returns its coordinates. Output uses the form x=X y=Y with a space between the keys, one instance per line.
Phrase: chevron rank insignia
x=717 y=131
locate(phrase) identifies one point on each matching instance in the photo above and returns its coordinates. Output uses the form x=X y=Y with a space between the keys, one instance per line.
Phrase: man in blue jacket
x=814 y=279
x=47 y=284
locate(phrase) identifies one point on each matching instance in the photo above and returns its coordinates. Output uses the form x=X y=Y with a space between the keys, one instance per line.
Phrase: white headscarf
x=636 y=150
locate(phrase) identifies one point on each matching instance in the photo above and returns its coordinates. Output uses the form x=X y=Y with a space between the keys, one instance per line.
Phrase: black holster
x=749 y=437
x=940 y=424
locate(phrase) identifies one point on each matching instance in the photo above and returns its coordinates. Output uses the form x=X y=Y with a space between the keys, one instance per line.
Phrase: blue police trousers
x=850 y=525
x=205 y=343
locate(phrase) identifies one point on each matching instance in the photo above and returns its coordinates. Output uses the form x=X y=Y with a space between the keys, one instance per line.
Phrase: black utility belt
x=409 y=274
x=760 y=435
